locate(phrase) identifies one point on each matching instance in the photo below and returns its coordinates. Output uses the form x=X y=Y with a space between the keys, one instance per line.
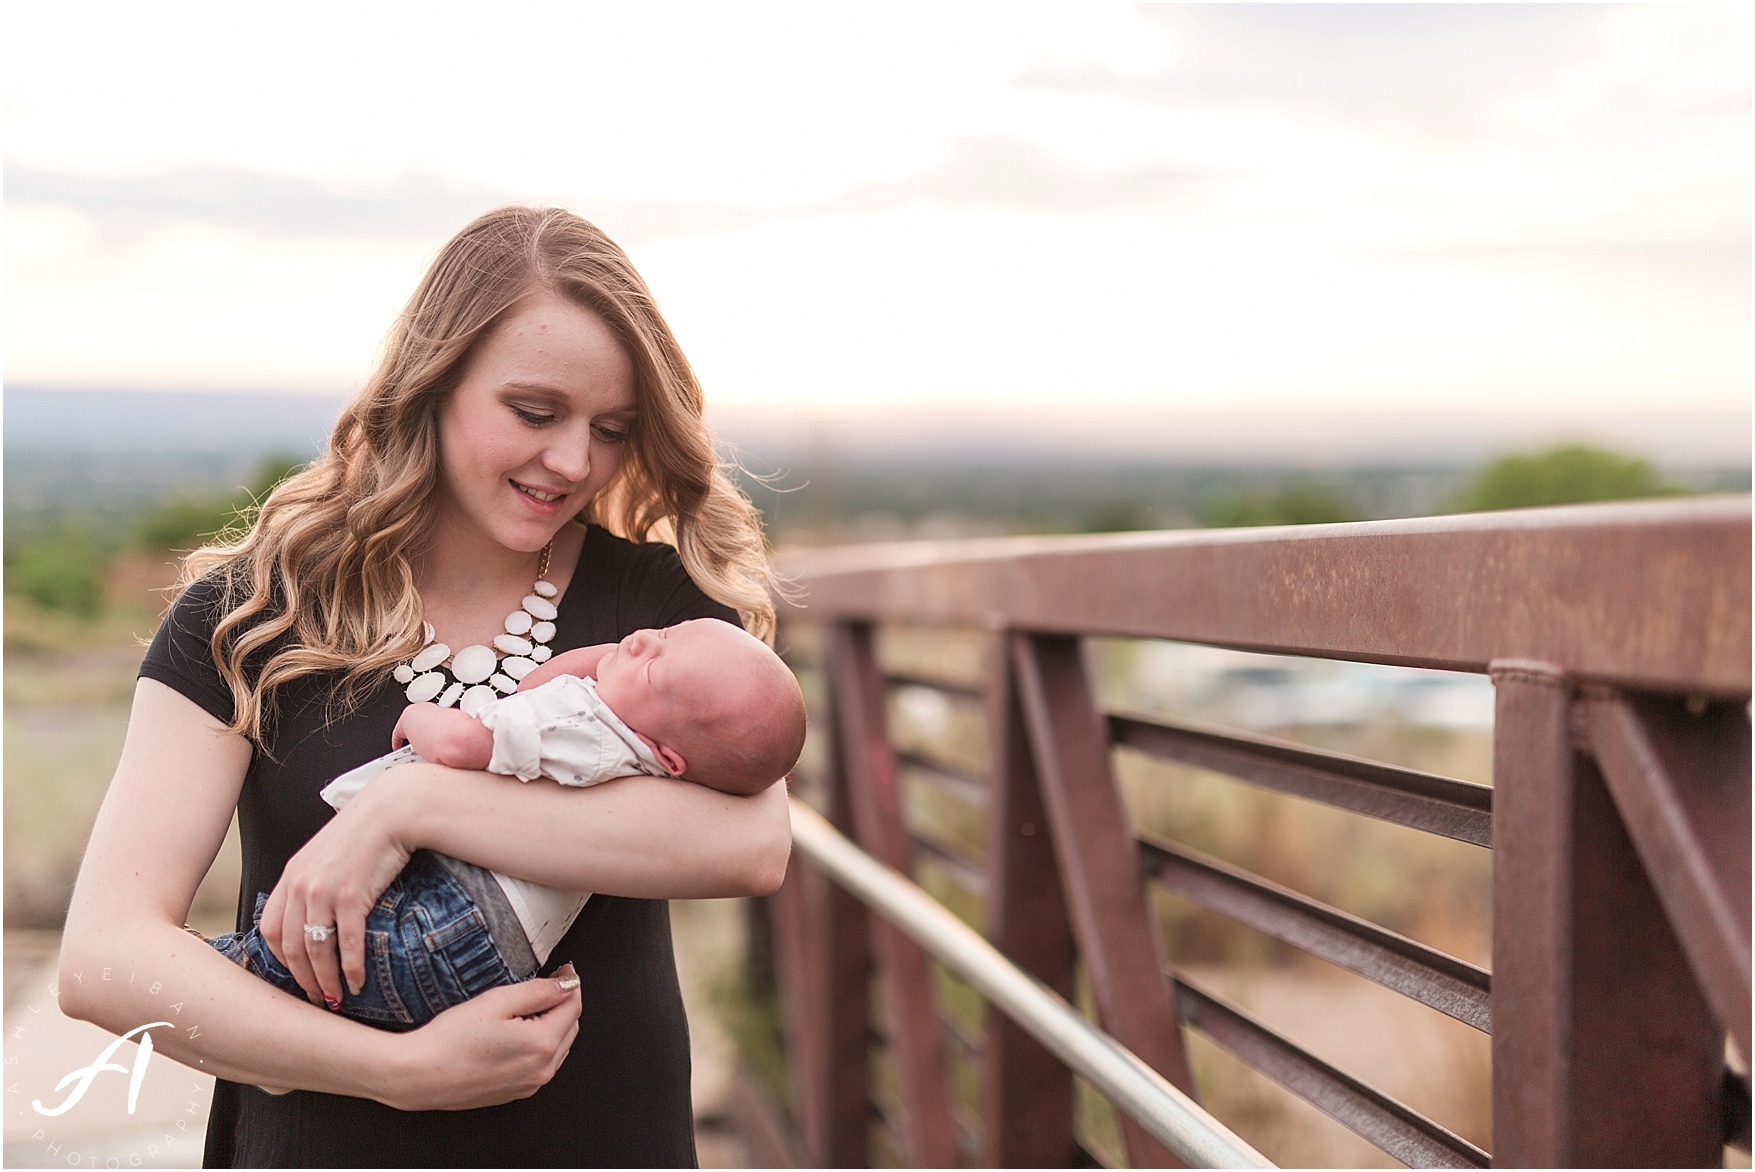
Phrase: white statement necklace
x=477 y=673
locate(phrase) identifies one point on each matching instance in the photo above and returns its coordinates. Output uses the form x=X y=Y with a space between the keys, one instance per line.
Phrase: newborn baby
x=702 y=701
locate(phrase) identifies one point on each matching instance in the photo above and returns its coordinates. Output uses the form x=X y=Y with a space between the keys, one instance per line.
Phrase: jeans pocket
x=465 y=960
x=381 y=1001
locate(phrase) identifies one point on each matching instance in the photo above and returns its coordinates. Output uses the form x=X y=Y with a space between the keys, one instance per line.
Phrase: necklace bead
x=431 y=656
x=513 y=645
x=477 y=673
x=474 y=664
x=425 y=687
x=476 y=698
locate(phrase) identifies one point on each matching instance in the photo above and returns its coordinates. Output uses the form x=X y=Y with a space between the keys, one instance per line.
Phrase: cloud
x=275 y=206
x=1005 y=173
x=416 y=206
x=1433 y=71
x=1712 y=264
x=993 y=172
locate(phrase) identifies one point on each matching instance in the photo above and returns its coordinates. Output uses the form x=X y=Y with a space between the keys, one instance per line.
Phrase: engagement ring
x=318 y=933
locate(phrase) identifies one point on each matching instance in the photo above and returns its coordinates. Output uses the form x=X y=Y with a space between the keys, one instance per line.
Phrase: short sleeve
x=181 y=654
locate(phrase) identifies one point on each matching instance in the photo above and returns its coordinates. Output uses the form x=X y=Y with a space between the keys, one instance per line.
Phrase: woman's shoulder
x=608 y=557
x=202 y=604
x=646 y=579
x=199 y=606
x=181 y=652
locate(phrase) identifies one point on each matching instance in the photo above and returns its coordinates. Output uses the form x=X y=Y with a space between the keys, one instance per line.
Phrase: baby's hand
x=444 y=736
x=580 y=661
x=399 y=737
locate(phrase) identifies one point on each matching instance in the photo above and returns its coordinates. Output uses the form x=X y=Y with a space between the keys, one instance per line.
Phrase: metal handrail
x=1164 y=1111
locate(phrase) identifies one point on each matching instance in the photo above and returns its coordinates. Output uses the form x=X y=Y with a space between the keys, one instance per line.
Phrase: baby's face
x=664 y=683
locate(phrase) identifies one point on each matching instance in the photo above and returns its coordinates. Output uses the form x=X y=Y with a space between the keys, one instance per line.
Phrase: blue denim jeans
x=428 y=948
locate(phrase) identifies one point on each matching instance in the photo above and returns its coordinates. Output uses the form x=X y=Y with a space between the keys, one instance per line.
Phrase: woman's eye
x=534 y=418
x=610 y=435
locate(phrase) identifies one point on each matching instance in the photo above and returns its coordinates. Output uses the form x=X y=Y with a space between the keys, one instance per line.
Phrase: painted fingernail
x=331 y=1002
x=568 y=983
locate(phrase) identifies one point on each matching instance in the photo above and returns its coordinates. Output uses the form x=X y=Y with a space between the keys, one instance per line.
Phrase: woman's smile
x=541 y=502
x=538 y=494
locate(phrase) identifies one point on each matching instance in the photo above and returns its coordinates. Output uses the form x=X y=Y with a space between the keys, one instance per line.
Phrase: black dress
x=622 y=1096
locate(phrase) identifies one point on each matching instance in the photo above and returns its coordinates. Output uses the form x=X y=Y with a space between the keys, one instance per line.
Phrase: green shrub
x=63 y=570
x=188 y=522
x=185 y=524
x=1300 y=502
x=1566 y=475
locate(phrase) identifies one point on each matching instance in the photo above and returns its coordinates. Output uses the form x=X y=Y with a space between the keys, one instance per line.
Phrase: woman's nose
x=571 y=459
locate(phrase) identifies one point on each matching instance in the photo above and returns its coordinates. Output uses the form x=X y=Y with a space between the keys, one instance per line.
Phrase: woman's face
x=537 y=425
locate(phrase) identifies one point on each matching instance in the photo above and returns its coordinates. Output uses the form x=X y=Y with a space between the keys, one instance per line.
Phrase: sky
x=1078 y=218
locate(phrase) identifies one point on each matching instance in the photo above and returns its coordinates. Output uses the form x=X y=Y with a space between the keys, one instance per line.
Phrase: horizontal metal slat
x=913 y=680
x=1393 y=1126
x=1447 y=984
x=971 y=1049
x=967 y=785
x=1456 y=809
x=960 y=870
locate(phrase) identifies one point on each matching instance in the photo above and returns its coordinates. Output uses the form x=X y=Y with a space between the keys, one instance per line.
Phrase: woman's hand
x=502 y=1045
x=333 y=881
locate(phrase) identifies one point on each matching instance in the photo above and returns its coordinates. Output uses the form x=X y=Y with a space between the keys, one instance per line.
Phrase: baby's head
x=715 y=703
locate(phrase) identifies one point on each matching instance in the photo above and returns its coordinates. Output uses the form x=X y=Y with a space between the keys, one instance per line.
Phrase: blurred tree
x=63 y=570
x=1116 y=516
x=1561 y=476
x=1297 y=502
x=185 y=523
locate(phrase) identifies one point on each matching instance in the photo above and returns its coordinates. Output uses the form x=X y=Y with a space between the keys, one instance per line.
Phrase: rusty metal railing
x=1618 y=642
x=1172 y=1118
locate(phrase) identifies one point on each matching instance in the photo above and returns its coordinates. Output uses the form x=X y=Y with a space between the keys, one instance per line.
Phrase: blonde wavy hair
x=322 y=580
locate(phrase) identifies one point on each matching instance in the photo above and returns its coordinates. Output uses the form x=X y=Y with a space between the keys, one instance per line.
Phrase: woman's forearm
x=125 y=959
x=224 y=1021
x=126 y=962
x=646 y=837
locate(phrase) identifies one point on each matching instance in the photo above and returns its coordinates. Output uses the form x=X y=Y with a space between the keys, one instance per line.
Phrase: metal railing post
x=869 y=771
x=1604 y=1052
x=1099 y=864
x=1028 y=1091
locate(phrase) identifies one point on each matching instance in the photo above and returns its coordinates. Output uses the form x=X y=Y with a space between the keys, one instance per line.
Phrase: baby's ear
x=672 y=760
x=667 y=756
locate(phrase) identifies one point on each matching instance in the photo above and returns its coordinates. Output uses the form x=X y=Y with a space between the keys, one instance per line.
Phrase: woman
x=530 y=385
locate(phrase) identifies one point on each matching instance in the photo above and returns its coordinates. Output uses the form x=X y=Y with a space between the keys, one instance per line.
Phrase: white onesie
x=561 y=730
